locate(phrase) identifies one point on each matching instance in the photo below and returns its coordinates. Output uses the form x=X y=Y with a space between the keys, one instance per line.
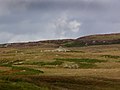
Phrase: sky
x=34 y=20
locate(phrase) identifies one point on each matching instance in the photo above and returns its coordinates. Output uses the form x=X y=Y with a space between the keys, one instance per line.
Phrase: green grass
x=82 y=63
x=20 y=70
x=47 y=63
x=25 y=71
x=74 y=44
x=87 y=65
x=9 y=63
x=77 y=60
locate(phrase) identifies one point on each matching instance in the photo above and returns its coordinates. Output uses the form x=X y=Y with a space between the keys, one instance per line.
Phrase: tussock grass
x=74 y=44
x=29 y=75
x=77 y=60
x=48 y=63
x=87 y=65
x=25 y=71
x=71 y=82
x=9 y=85
x=9 y=63
x=20 y=70
x=83 y=63
x=111 y=56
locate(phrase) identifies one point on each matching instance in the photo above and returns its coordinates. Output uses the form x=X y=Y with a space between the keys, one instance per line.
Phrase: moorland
x=86 y=63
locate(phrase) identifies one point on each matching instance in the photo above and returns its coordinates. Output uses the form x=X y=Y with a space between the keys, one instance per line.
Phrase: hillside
x=38 y=66
x=82 y=68
x=100 y=39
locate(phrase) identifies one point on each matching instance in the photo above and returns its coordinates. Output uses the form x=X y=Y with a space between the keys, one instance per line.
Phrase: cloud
x=64 y=26
x=22 y=38
x=5 y=36
x=10 y=6
x=26 y=20
x=74 y=26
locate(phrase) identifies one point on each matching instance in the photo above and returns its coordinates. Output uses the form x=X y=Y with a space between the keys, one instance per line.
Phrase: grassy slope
x=23 y=68
x=103 y=39
x=83 y=68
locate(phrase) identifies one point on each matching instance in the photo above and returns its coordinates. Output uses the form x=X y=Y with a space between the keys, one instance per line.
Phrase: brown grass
x=56 y=76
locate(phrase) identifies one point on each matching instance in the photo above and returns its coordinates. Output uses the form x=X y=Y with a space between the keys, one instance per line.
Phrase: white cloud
x=63 y=25
x=74 y=26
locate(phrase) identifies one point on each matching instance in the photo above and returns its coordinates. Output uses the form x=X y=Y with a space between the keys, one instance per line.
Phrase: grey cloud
x=24 y=20
x=18 y=5
x=64 y=5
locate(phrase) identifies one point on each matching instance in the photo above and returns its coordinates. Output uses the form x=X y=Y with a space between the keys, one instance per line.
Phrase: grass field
x=82 y=68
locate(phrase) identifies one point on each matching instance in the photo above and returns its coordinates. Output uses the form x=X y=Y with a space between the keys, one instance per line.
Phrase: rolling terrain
x=99 y=39
x=92 y=63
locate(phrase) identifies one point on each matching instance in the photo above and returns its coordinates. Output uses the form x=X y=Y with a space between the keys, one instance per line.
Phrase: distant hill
x=100 y=39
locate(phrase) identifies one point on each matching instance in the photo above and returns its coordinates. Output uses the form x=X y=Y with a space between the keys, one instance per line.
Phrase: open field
x=81 y=68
